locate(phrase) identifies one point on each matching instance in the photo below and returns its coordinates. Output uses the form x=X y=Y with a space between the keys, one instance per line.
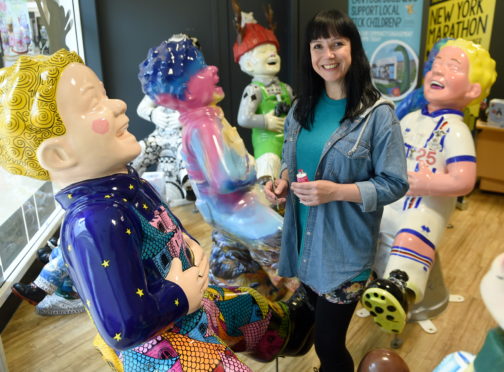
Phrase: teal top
x=310 y=143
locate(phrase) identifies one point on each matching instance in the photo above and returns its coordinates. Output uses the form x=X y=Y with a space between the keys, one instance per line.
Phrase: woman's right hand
x=276 y=192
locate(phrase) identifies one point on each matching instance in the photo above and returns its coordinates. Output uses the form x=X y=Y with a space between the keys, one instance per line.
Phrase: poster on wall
x=468 y=19
x=390 y=31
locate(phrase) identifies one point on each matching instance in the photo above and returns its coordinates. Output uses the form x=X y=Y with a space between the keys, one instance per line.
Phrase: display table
x=490 y=157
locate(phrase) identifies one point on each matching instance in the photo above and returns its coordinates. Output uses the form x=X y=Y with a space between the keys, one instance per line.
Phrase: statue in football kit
x=415 y=100
x=266 y=100
x=441 y=166
x=141 y=276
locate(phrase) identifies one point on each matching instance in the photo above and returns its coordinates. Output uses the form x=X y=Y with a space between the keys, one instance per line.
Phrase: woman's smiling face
x=331 y=58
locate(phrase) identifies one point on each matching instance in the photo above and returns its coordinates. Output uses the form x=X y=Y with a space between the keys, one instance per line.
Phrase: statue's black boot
x=387 y=301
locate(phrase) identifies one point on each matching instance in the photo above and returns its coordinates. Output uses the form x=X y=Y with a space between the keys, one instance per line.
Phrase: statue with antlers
x=266 y=100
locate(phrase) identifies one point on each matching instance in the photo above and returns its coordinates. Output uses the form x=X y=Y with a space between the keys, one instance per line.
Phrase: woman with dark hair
x=348 y=142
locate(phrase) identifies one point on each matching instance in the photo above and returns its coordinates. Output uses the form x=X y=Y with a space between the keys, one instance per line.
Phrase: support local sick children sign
x=390 y=32
x=468 y=19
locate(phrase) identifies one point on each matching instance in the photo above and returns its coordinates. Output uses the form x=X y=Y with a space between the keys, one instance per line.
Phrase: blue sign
x=390 y=32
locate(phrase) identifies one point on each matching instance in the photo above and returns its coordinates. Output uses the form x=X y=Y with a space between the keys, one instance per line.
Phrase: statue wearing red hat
x=266 y=100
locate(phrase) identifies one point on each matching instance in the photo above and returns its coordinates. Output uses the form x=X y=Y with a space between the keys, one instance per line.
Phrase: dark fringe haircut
x=360 y=92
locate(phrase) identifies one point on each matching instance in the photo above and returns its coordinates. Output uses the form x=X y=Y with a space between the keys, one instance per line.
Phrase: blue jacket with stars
x=118 y=239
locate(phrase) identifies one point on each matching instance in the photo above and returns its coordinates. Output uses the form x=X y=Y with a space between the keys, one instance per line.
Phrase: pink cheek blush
x=100 y=126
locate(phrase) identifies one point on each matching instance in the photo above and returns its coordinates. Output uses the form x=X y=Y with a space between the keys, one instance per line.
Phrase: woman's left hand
x=315 y=192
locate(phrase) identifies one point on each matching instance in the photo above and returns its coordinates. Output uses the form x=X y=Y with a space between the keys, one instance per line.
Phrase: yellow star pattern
x=177 y=302
x=69 y=248
x=106 y=263
x=145 y=206
x=128 y=231
x=125 y=200
x=69 y=196
x=139 y=292
x=117 y=337
x=131 y=187
x=107 y=196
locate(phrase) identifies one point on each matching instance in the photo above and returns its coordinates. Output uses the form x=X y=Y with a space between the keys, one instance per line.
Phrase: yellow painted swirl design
x=28 y=112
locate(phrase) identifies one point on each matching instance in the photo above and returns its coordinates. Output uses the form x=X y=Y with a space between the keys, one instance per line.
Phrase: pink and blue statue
x=221 y=171
x=162 y=148
x=141 y=276
x=441 y=166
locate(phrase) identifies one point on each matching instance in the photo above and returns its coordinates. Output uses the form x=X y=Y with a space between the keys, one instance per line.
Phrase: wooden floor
x=59 y=344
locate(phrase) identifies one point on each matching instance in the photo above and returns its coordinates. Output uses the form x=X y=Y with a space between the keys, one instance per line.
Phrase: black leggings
x=331 y=325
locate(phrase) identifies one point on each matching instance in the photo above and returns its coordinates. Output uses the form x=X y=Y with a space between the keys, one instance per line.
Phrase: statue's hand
x=199 y=255
x=193 y=282
x=419 y=182
x=274 y=123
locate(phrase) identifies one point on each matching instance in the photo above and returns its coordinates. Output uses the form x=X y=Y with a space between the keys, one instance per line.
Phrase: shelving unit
x=490 y=157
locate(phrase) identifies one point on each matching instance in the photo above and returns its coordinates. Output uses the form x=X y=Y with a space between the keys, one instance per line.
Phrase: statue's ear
x=248 y=66
x=54 y=154
x=474 y=91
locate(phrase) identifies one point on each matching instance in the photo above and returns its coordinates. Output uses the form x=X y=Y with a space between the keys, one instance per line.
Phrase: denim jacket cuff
x=282 y=168
x=368 y=195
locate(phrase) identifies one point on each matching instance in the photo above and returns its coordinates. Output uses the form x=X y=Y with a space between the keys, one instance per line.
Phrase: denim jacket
x=341 y=237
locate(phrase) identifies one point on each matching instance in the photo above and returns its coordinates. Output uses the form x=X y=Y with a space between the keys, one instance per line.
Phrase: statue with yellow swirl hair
x=141 y=276
x=27 y=110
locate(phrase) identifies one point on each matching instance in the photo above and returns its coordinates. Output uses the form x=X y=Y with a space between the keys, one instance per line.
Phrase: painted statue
x=221 y=170
x=141 y=276
x=441 y=166
x=416 y=99
x=491 y=356
x=162 y=148
x=266 y=100
x=52 y=292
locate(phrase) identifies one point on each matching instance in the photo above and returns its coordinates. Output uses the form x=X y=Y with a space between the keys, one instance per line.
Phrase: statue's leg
x=53 y=273
x=232 y=265
x=407 y=270
x=248 y=322
x=230 y=320
x=436 y=296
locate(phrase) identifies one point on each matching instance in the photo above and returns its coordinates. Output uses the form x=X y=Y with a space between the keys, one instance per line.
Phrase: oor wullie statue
x=142 y=278
x=221 y=171
x=230 y=262
x=163 y=148
x=266 y=100
x=491 y=356
x=441 y=166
